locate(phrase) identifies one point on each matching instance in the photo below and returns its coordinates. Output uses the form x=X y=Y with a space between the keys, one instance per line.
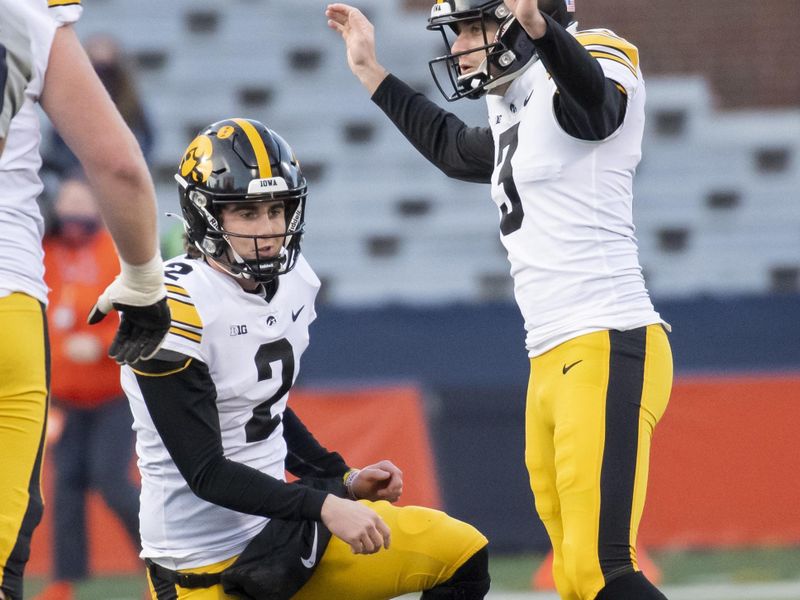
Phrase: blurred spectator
x=172 y=241
x=94 y=448
x=113 y=70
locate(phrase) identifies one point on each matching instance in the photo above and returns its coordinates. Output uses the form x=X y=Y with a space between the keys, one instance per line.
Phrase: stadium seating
x=717 y=195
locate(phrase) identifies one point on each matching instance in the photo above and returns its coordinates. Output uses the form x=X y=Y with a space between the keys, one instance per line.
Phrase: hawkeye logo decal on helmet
x=196 y=164
x=271 y=184
x=225 y=132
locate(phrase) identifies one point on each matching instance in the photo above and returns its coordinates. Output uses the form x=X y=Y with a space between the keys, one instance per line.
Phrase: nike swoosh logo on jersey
x=312 y=558
x=528 y=98
x=297 y=314
x=566 y=368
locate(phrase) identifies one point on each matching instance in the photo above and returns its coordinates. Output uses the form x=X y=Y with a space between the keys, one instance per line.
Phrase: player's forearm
x=371 y=76
x=127 y=204
x=181 y=400
x=459 y=151
x=87 y=120
x=241 y=488
x=306 y=457
x=532 y=21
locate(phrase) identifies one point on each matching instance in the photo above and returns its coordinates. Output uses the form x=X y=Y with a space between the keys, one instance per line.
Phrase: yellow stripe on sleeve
x=184 y=313
x=628 y=49
x=262 y=156
x=165 y=373
x=54 y=3
x=176 y=289
x=189 y=335
x=615 y=58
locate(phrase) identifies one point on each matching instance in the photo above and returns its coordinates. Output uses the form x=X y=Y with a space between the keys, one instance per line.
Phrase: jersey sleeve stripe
x=608 y=50
x=54 y=3
x=184 y=312
x=606 y=56
x=189 y=335
x=183 y=367
x=596 y=39
x=178 y=290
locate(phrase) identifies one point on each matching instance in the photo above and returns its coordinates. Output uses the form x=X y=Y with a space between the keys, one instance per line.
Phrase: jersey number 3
x=512 y=214
x=262 y=424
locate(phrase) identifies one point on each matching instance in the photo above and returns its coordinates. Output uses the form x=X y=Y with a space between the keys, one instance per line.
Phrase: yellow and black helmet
x=237 y=161
x=507 y=54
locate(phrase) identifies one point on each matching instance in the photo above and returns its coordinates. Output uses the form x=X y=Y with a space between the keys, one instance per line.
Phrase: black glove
x=138 y=293
x=141 y=331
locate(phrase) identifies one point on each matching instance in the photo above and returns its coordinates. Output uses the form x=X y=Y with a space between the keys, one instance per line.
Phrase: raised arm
x=589 y=105
x=461 y=152
x=86 y=118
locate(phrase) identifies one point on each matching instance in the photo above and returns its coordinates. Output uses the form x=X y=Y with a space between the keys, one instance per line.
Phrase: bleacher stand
x=717 y=195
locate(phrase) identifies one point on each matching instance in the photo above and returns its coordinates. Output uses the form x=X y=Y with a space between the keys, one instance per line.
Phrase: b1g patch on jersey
x=238 y=330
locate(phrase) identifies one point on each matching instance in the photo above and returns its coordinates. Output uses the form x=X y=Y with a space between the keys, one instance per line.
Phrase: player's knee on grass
x=470 y=581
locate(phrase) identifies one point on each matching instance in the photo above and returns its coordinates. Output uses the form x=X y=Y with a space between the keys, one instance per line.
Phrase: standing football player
x=566 y=116
x=42 y=61
x=215 y=434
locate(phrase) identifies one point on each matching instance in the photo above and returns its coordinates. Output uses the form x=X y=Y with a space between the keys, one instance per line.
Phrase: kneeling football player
x=215 y=434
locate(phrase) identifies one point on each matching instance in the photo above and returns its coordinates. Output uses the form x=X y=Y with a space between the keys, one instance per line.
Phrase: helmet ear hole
x=211 y=246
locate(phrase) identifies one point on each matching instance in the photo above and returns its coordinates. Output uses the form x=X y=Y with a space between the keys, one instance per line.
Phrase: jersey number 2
x=262 y=424
x=512 y=213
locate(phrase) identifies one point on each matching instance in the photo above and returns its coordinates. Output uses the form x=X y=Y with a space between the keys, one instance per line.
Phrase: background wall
x=739 y=45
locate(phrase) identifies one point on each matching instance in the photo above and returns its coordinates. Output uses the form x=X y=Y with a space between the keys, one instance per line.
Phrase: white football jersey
x=252 y=349
x=21 y=223
x=566 y=205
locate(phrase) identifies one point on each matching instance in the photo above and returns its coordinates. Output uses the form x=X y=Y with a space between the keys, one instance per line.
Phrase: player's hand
x=381 y=481
x=528 y=15
x=359 y=39
x=138 y=293
x=356 y=524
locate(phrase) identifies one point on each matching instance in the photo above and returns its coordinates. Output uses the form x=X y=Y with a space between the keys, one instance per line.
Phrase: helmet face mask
x=241 y=163
x=506 y=53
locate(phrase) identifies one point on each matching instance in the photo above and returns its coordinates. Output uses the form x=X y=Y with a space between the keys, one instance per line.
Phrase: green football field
x=757 y=574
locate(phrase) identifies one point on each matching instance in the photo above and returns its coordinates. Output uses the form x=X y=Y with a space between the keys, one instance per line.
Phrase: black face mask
x=76 y=231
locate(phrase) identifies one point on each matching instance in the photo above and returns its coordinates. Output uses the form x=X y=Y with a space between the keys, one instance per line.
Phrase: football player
x=41 y=61
x=215 y=432
x=566 y=116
